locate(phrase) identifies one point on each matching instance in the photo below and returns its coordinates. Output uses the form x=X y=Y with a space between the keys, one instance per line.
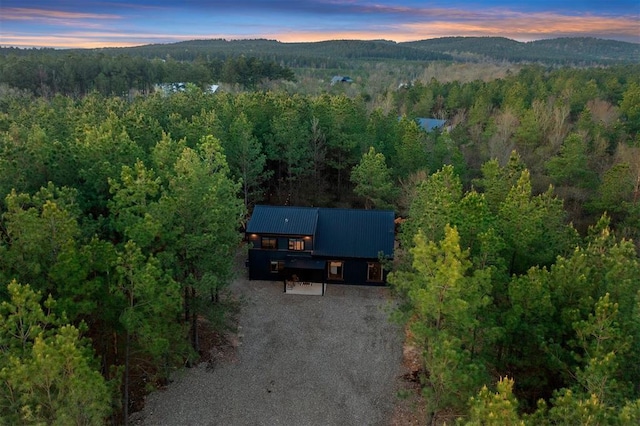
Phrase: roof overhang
x=304 y=263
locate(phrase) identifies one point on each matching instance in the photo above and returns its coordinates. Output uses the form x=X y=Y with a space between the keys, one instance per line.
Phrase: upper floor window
x=296 y=244
x=269 y=243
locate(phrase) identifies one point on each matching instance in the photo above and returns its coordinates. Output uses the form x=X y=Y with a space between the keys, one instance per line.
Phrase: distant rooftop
x=431 y=124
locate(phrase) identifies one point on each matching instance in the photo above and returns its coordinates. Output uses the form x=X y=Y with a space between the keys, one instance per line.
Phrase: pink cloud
x=23 y=13
x=524 y=26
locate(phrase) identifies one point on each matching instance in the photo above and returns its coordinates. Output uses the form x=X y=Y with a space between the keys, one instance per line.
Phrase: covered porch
x=304 y=275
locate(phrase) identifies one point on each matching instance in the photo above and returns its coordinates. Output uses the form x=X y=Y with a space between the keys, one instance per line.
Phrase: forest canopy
x=518 y=263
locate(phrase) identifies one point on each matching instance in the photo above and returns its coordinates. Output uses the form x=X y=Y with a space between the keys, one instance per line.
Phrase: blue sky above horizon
x=119 y=23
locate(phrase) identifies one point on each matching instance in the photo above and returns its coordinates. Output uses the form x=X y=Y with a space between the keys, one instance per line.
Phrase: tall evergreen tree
x=246 y=159
x=372 y=181
x=47 y=372
x=445 y=296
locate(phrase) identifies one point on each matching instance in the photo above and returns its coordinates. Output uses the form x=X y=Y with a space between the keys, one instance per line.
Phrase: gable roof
x=354 y=233
x=338 y=232
x=283 y=220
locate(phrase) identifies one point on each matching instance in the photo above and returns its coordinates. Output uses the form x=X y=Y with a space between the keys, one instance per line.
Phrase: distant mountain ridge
x=571 y=50
x=558 y=51
x=290 y=53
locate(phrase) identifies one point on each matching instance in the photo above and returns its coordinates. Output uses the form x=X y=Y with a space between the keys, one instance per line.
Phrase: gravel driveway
x=303 y=360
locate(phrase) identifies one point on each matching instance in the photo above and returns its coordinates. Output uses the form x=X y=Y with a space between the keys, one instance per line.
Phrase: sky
x=121 y=23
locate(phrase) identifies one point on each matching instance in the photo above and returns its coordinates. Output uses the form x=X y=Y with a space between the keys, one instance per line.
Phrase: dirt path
x=302 y=360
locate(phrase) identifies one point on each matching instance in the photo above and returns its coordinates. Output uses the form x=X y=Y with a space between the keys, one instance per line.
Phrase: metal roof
x=283 y=220
x=354 y=233
x=430 y=124
x=337 y=232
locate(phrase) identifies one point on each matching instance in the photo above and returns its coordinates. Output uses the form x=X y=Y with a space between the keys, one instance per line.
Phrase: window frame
x=279 y=266
x=339 y=275
x=296 y=244
x=273 y=240
x=380 y=270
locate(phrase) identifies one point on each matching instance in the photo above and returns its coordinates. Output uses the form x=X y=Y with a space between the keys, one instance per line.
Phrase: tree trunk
x=125 y=396
x=194 y=324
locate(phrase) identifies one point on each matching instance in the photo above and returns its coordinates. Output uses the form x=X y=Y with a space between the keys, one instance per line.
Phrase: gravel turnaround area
x=302 y=360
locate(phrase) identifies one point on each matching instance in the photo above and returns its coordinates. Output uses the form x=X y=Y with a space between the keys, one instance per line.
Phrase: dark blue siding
x=260 y=264
x=355 y=272
x=355 y=237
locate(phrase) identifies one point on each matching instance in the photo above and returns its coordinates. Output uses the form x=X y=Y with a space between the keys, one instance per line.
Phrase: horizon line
x=94 y=46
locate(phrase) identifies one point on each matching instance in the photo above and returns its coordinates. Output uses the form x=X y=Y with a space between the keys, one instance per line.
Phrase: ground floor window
x=335 y=270
x=374 y=272
x=277 y=266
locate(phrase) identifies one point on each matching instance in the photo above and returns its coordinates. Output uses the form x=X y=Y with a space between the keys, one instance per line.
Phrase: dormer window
x=296 y=244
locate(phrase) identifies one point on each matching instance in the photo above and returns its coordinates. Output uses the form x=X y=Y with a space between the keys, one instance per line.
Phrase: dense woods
x=47 y=72
x=120 y=216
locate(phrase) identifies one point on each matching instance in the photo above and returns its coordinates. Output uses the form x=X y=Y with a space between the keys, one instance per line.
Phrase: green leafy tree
x=478 y=228
x=343 y=122
x=134 y=205
x=316 y=188
x=246 y=159
x=495 y=409
x=555 y=336
x=602 y=342
x=410 y=149
x=288 y=147
x=200 y=215
x=441 y=150
x=47 y=373
x=616 y=190
x=570 y=166
x=383 y=130
x=630 y=108
x=42 y=244
x=444 y=297
x=101 y=153
x=526 y=315
x=373 y=181
x=568 y=409
x=497 y=181
x=149 y=318
x=164 y=156
x=533 y=226
x=433 y=206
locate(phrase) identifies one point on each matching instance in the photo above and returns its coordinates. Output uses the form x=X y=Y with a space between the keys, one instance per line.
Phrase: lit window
x=269 y=243
x=296 y=244
x=277 y=266
x=374 y=272
x=335 y=270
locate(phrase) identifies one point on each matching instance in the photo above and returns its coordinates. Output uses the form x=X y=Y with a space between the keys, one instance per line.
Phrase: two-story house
x=319 y=245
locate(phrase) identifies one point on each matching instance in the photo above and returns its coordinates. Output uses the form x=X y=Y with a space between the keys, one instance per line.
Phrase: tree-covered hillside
x=559 y=51
x=289 y=53
x=334 y=53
